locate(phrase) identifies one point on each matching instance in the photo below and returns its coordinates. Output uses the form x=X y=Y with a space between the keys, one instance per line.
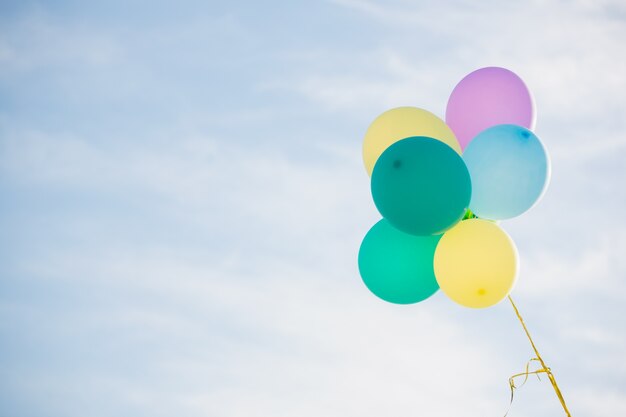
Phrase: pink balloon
x=488 y=97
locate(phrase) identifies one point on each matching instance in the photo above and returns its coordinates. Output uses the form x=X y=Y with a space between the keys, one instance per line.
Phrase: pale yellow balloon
x=400 y=123
x=476 y=263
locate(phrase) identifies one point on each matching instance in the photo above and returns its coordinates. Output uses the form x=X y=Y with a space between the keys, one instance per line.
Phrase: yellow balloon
x=400 y=123
x=476 y=263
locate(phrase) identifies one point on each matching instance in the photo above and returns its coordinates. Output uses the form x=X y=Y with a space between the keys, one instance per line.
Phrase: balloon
x=396 y=266
x=488 y=97
x=510 y=170
x=421 y=186
x=476 y=263
x=399 y=123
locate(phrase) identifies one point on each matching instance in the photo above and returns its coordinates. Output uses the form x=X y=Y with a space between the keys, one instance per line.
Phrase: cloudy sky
x=182 y=199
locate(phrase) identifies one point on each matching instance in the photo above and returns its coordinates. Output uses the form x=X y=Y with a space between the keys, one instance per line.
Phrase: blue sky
x=182 y=200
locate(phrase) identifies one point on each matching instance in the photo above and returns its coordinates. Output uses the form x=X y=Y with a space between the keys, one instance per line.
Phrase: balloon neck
x=469 y=215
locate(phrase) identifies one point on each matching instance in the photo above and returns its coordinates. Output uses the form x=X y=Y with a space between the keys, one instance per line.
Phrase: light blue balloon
x=510 y=170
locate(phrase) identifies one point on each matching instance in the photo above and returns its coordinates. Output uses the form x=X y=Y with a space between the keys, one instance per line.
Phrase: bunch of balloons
x=441 y=188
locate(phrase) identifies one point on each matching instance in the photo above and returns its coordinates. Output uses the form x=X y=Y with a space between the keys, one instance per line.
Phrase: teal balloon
x=510 y=170
x=421 y=186
x=397 y=266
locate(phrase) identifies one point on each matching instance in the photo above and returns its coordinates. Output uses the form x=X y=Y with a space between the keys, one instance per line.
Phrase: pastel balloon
x=488 y=97
x=510 y=171
x=421 y=186
x=396 y=266
x=400 y=123
x=476 y=263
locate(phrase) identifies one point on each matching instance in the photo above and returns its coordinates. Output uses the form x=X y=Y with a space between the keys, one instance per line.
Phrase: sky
x=182 y=199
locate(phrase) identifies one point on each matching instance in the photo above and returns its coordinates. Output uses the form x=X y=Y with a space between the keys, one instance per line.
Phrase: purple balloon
x=488 y=97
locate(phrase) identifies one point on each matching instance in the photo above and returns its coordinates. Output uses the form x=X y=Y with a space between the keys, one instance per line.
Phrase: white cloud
x=37 y=42
x=288 y=341
x=570 y=58
x=600 y=403
x=292 y=335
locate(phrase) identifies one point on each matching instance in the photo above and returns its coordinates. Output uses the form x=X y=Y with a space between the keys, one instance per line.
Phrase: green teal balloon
x=396 y=266
x=421 y=186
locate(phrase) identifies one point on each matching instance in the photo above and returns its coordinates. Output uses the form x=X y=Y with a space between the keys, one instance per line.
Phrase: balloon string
x=525 y=374
x=543 y=369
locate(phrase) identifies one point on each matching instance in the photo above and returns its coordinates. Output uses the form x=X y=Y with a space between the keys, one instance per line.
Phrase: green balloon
x=421 y=185
x=397 y=266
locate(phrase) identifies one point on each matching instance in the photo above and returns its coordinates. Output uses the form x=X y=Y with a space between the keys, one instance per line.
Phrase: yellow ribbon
x=525 y=374
x=543 y=369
